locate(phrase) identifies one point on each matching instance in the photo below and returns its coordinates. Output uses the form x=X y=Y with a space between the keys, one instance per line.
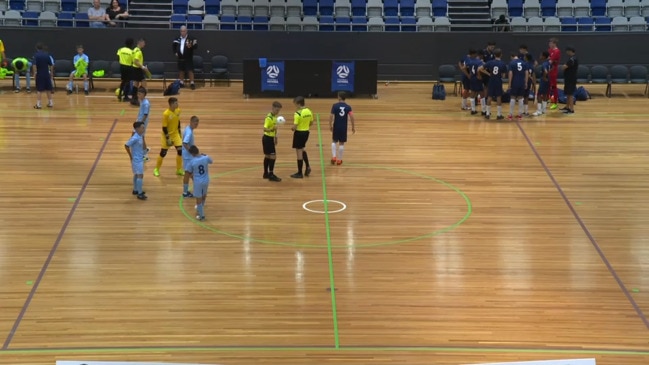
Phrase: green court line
x=325 y=201
x=12 y=352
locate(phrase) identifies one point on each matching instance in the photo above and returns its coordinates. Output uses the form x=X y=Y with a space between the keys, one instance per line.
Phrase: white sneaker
x=198 y=217
x=537 y=113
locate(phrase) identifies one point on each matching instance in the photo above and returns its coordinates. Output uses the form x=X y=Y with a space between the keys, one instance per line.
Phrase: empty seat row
x=582 y=24
x=568 y=8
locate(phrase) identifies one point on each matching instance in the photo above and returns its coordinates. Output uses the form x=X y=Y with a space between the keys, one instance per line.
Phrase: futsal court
x=442 y=239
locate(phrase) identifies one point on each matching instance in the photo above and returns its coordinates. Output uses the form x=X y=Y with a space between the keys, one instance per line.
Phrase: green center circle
x=451 y=227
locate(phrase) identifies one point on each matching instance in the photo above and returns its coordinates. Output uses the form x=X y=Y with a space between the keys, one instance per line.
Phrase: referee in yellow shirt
x=125 y=55
x=302 y=121
x=137 y=71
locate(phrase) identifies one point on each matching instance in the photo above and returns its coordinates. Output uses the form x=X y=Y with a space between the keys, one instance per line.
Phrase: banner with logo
x=272 y=76
x=342 y=76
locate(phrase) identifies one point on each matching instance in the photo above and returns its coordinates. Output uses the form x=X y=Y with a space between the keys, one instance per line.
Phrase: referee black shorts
x=126 y=72
x=268 y=143
x=300 y=138
x=137 y=74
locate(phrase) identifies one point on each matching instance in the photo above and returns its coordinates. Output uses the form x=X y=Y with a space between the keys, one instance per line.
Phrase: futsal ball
x=281 y=120
x=117 y=92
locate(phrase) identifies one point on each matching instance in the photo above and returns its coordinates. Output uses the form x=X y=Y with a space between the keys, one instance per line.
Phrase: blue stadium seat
x=568 y=24
x=69 y=5
x=327 y=23
x=343 y=24
x=515 y=8
x=66 y=19
x=194 y=22
x=244 y=22
x=407 y=7
x=18 y=5
x=440 y=7
x=602 y=24
x=30 y=18
x=177 y=20
x=212 y=7
x=359 y=8
x=598 y=8
x=310 y=7
x=260 y=23
x=326 y=7
x=359 y=24
x=392 y=24
x=81 y=20
x=228 y=22
x=585 y=24
x=390 y=8
x=180 y=6
x=408 y=24
x=548 y=7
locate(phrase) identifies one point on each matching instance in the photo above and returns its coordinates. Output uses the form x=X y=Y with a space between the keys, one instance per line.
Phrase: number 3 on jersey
x=342 y=111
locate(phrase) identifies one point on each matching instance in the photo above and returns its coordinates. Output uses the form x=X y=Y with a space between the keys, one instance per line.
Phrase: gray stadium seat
x=229 y=7
x=84 y=5
x=620 y=24
x=294 y=8
x=644 y=7
x=261 y=7
x=637 y=24
x=220 y=69
x=294 y=24
x=342 y=8
x=531 y=8
x=277 y=23
x=565 y=8
x=581 y=8
x=535 y=24
x=374 y=8
x=552 y=24
x=631 y=8
x=4 y=5
x=583 y=74
x=442 y=24
x=196 y=7
x=375 y=24
x=518 y=24
x=638 y=75
x=278 y=8
x=63 y=68
x=211 y=22
x=34 y=5
x=245 y=7
x=52 y=5
x=13 y=18
x=423 y=8
x=425 y=24
x=47 y=19
x=615 y=8
x=619 y=74
x=448 y=74
x=498 y=8
x=310 y=24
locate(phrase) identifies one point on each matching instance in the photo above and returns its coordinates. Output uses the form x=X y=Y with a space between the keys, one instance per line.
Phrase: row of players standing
x=483 y=77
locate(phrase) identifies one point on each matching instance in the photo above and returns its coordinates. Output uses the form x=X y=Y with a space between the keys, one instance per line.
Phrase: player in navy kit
x=341 y=112
x=475 y=81
x=466 y=87
x=531 y=81
x=487 y=55
x=518 y=78
x=544 y=85
x=495 y=69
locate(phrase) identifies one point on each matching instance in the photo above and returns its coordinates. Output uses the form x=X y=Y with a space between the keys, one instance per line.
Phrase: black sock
x=305 y=158
x=266 y=164
x=271 y=166
x=299 y=166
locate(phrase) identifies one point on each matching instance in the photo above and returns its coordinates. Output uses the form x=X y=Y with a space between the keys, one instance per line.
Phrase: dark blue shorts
x=339 y=135
x=476 y=85
x=518 y=91
x=495 y=89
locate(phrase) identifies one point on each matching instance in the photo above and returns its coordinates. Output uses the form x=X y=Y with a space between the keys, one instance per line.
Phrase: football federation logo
x=272 y=71
x=342 y=71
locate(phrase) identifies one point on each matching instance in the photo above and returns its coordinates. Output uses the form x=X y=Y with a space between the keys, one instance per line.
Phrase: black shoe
x=308 y=171
x=192 y=86
x=500 y=117
x=473 y=112
x=69 y=92
x=297 y=175
x=568 y=111
x=136 y=193
x=487 y=116
x=142 y=196
x=266 y=176
x=484 y=113
x=126 y=100
x=274 y=178
x=86 y=92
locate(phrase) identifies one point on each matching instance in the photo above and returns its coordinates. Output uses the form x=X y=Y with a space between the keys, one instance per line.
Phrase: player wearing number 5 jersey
x=518 y=79
x=341 y=112
x=199 y=168
x=495 y=69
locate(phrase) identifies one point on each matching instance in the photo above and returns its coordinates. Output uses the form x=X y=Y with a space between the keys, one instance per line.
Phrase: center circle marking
x=343 y=206
x=469 y=210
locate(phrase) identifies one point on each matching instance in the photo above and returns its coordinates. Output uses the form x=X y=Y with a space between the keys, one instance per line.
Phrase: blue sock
x=85 y=85
x=134 y=183
x=199 y=208
x=138 y=185
x=185 y=188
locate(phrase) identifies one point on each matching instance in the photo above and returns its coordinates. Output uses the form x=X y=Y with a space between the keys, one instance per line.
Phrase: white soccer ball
x=281 y=120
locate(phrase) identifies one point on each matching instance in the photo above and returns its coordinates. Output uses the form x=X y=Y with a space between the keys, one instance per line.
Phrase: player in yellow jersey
x=125 y=55
x=137 y=71
x=302 y=121
x=171 y=137
x=269 y=141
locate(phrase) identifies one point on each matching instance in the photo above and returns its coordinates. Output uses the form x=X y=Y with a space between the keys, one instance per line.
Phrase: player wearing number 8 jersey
x=188 y=142
x=495 y=69
x=199 y=168
x=341 y=112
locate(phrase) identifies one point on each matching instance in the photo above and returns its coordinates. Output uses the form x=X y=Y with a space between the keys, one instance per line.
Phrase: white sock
x=520 y=106
x=526 y=108
x=512 y=102
x=472 y=104
x=488 y=109
x=333 y=149
x=341 y=149
x=464 y=103
x=500 y=110
x=539 y=108
x=545 y=105
x=483 y=103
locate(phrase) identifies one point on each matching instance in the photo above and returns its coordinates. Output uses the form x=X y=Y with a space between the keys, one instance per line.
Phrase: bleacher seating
x=350 y=15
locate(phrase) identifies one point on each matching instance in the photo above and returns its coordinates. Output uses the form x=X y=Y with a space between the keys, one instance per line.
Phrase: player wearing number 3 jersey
x=199 y=168
x=495 y=69
x=341 y=112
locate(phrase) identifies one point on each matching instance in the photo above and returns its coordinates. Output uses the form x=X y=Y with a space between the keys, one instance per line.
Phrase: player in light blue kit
x=135 y=149
x=188 y=141
x=80 y=62
x=199 y=168
x=143 y=116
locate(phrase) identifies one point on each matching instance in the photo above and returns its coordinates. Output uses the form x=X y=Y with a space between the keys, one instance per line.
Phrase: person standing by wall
x=184 y=47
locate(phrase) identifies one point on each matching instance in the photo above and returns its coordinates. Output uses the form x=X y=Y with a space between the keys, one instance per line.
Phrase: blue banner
x=272 y=76
x=342 y=76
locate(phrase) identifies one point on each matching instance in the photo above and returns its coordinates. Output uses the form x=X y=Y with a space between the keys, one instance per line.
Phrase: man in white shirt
x=183 y=48
x=97 y=15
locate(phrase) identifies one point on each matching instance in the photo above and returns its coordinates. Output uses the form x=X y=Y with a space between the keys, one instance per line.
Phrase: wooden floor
x=461 y=240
